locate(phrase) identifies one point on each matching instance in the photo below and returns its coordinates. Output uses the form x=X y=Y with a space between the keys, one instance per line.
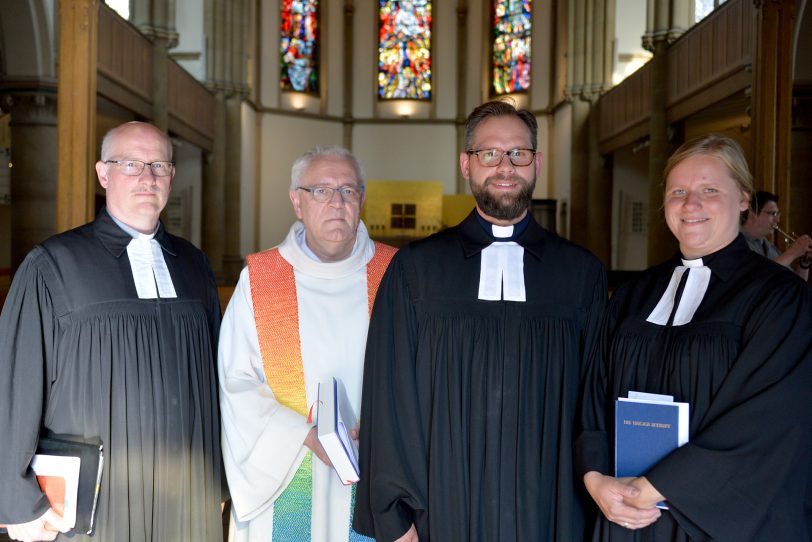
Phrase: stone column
x=347 y=57
x=772 y=98
x=33 y=175
x=666 y=21
x=232 y=260
x=589 y=71
x=661 y=243
x=214 y=175
x=462 y=76
x=156 y=20
x=226 y=75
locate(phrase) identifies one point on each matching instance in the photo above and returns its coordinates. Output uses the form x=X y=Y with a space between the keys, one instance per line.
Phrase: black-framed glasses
x=323 y=194
x=133 y=168
x=774 y=214
x=494 y=157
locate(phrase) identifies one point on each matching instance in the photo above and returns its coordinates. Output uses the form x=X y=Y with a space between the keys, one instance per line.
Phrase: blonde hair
x=722 y=147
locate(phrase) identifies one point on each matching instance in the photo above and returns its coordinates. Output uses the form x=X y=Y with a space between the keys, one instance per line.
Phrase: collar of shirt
x=503 y=233
x=724 y=262
x=474 y=236
x=115 y=238
x=301 y=240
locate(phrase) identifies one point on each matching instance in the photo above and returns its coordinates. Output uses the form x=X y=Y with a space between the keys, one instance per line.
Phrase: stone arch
x=28 y=39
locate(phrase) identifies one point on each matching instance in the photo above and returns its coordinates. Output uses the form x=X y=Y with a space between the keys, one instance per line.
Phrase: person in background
x=728 y=332
x=109 y=333
x=298 y=316
x=758 y=224
x=476 y=351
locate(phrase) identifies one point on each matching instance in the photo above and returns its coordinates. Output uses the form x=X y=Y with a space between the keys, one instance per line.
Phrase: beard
x=504 y=206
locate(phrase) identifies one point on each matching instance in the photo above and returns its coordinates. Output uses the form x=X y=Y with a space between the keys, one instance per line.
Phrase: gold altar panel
x=397 y=212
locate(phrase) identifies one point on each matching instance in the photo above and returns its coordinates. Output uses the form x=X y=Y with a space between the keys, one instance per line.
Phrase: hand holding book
x=45 y=527
x=648 y=427
x=336 y=421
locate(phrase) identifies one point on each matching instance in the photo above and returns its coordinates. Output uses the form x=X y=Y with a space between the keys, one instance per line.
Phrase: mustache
x=145 y=188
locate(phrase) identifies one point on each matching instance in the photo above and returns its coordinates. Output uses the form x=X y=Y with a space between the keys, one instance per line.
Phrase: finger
x=56 y=522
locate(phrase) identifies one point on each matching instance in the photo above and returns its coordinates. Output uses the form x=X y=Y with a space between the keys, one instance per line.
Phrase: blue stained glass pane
x=404 y=49
x=298 y=45
x=511 y=45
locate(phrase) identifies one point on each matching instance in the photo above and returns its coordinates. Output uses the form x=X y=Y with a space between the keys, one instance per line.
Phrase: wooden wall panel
x=624 y=111
x=191 y=107
x=125 y=55
x=712 y=51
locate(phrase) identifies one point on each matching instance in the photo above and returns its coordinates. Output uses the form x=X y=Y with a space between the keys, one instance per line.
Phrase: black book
x=91 y=459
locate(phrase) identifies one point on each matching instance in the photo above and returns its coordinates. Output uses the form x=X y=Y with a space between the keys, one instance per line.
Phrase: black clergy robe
x=468 y=405
x=82 y=355
x=744 y=363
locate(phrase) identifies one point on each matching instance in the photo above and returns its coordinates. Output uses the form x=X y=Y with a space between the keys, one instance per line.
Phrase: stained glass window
x=702 y=8
x=511 y=46
x=404 y=50
x=298 y=46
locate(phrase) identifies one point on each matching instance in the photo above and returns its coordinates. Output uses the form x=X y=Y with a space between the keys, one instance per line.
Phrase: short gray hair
x=107 y=141
x=301 y=164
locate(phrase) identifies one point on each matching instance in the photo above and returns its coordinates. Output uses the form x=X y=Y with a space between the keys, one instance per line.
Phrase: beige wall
x=423 y=148
x=284 y=138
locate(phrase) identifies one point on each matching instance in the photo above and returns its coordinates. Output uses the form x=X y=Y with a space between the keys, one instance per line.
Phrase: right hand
x=46 y=527
x=609 y=492
x=802 y=246
x=409 y=536
x=312 y=442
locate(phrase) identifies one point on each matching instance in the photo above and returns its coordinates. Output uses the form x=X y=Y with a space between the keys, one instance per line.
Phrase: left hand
x=312 y=442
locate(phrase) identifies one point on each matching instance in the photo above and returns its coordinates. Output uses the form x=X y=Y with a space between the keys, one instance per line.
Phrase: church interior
x=244 y=87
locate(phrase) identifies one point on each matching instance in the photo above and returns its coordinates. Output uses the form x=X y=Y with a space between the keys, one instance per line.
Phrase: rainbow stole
x=276 y=314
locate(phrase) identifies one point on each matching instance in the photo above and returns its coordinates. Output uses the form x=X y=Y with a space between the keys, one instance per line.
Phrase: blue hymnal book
x=648 y=427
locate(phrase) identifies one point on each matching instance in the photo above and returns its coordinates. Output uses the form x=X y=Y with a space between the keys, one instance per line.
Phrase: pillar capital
x=30 y=108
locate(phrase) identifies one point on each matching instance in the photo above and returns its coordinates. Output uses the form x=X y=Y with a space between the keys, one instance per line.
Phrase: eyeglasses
x=494 y=157
x=323 y=194
x=133 y=168
x=774 y=214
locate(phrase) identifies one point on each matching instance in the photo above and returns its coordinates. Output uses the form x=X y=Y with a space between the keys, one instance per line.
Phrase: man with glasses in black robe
x=109 y=333
x=475 y=354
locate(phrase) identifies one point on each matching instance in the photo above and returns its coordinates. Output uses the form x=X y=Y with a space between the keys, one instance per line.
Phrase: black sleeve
x=26 y=344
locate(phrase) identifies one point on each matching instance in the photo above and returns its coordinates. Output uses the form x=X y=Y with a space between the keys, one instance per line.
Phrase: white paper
x=66 y=467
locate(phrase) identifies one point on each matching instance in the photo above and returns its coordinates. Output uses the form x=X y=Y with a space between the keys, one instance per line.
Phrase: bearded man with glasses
x=108 y=336
x=476 y=348
x=298 y=317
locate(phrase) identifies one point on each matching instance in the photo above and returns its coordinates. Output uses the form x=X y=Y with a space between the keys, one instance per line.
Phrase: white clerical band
x=501 y=275
x=695 y=287
x=149 y=269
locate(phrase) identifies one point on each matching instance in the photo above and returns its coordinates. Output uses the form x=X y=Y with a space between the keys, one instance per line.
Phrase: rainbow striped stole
x=276 y=315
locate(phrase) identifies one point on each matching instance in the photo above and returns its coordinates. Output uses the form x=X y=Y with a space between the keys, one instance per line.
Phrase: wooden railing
x=708 y=63
x=124 y=63
x=125 y=75
x=191 y=107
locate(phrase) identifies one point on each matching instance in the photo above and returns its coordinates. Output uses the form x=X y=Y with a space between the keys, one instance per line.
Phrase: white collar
x=695 y=288
x=297 y=256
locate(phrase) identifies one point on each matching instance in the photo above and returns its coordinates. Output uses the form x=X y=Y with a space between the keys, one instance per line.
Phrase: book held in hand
x=69 y=474
x=648 y=427
x=58 y=477
x=335 y=419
